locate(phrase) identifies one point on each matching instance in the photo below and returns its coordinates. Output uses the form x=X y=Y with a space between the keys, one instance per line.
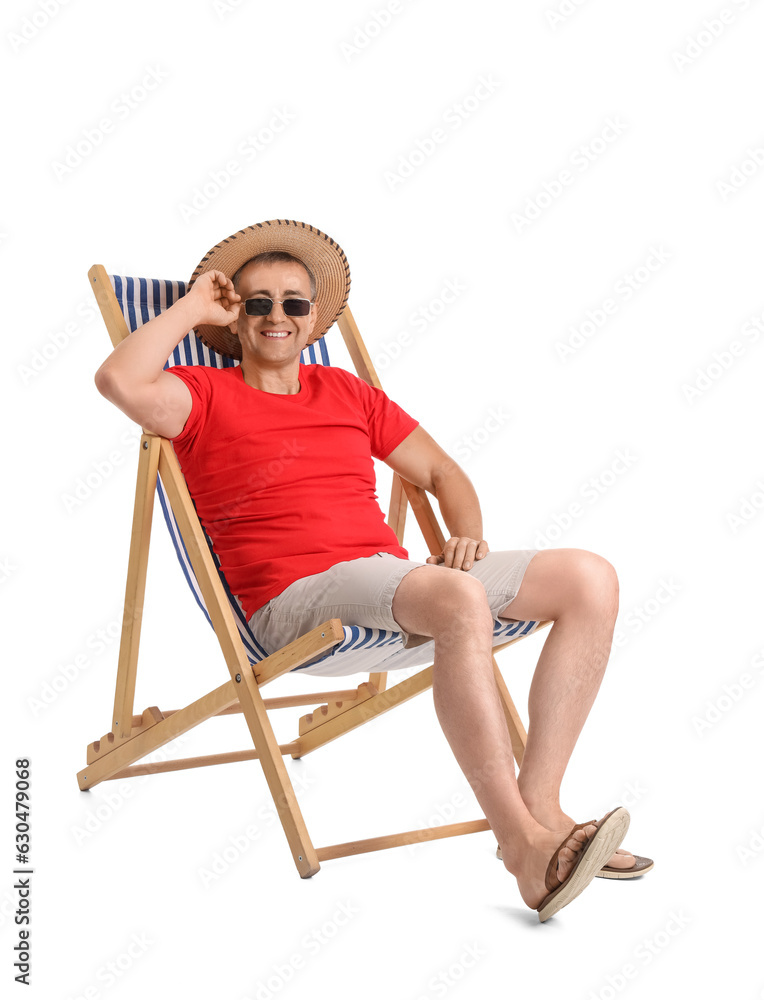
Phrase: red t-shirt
x=284 y=484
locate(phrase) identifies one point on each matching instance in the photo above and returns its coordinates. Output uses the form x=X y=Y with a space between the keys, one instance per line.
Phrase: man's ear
x=313 y=318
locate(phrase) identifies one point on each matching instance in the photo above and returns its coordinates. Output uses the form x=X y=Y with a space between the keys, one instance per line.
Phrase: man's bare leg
x=578 y=590
x=451 y=606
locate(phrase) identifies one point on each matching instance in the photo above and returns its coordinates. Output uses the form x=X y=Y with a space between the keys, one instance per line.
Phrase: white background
x=676 y=730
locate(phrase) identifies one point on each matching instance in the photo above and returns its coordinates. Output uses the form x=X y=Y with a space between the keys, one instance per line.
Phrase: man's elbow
x=111 y=384
x=104 y=381
x=439 y=477
x=443 y=474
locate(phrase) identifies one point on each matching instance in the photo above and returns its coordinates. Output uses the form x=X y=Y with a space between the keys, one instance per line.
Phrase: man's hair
x=276 y=257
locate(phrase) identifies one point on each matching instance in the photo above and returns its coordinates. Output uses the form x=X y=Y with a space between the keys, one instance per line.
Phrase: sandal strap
x=551 y=871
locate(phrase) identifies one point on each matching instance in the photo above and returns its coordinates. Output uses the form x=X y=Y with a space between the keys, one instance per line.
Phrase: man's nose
x=277 y=310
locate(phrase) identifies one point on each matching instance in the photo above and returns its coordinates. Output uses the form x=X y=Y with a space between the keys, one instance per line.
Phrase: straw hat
x=319 y=252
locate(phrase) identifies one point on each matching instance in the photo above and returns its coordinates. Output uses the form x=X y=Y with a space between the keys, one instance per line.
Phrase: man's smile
x=275 y=334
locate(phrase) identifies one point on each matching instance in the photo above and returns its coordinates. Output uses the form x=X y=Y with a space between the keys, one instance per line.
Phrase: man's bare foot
x=529 y=862
x=560 y=823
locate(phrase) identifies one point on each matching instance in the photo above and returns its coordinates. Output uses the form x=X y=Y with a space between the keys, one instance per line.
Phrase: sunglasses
x=263 y=306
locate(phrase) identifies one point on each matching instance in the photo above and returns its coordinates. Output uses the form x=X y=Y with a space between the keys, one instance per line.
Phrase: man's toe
x=622 y=859
x=570 y=852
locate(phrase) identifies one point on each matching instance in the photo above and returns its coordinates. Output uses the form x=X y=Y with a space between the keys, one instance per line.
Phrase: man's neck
x=283 y=380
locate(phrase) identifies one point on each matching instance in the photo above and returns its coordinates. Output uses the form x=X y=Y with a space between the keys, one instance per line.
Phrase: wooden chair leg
x=277 y=776
x=242 y=675
x=135 y=590
x=517 y=732
x=515 y=725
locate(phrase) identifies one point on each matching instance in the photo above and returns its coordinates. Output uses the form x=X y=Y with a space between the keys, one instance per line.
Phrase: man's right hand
x=213 y=299
x=132 y=377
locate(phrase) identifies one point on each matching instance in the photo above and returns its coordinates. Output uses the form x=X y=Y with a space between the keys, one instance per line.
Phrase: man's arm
x=421 y=460
x=132 y=377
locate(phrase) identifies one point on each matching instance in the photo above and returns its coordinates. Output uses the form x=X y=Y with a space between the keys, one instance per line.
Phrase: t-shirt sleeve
x=199 y=386
x=388 y=423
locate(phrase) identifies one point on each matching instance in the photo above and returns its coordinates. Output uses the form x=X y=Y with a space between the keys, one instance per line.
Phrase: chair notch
x=333 y=709
x=108 y=742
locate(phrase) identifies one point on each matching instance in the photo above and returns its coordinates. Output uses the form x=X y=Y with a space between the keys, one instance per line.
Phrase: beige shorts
x=360 y=592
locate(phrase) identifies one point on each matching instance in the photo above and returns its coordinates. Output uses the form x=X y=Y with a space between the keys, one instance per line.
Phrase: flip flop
x=640 y=867
x=611 y=830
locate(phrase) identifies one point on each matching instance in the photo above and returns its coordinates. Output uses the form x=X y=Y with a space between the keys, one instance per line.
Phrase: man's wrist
x=187 y=310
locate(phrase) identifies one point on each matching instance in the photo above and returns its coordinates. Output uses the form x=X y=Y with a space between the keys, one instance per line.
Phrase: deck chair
x=332 y=649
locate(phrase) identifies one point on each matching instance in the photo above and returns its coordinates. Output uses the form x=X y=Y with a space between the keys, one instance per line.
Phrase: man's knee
x=595 y=580
x=443 y=599
x=462 y=593
x=461 y=607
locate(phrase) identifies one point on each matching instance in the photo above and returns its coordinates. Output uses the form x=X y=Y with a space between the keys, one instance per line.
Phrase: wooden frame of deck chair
x=132 y=736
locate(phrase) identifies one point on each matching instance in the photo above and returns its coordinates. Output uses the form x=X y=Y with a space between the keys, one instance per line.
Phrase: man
x=302 y=539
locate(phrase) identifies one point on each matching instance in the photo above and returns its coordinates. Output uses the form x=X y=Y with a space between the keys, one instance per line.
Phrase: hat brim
x=320 y=253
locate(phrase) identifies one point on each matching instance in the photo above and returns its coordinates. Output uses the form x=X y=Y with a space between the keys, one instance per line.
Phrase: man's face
x=275 y=337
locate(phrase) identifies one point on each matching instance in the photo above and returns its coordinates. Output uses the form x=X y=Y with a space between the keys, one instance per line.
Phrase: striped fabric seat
x=363 y=650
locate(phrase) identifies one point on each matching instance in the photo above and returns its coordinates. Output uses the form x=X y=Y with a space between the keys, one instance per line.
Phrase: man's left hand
x=460 y=552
